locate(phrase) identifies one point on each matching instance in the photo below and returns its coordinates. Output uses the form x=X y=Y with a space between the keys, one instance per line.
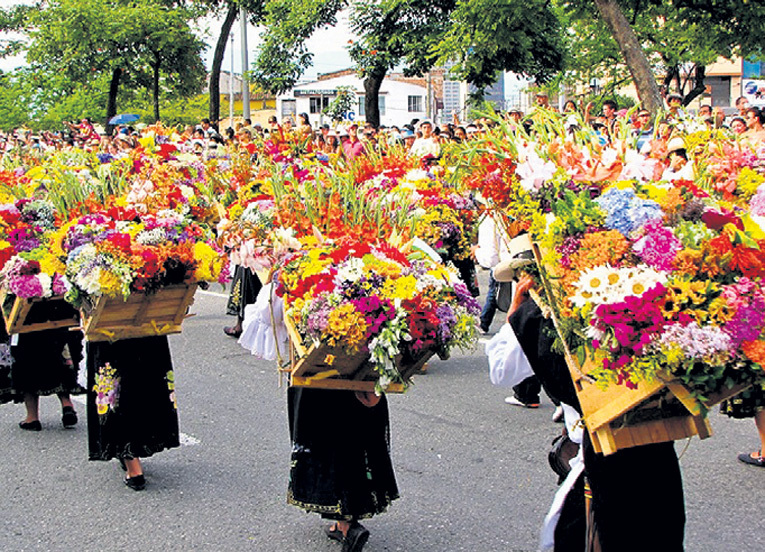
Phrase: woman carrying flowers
x=46 y=363
x=639 y=484
x=341 y=466
x=132 y=410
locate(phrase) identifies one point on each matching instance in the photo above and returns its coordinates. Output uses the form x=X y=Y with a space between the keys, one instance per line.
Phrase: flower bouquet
x=656 y=289
x=32 y=287
x=371 y=314
x=135 y=275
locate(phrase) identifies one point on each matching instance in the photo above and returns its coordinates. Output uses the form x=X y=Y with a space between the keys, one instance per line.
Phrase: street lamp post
x=245 y=65
x=231 y=87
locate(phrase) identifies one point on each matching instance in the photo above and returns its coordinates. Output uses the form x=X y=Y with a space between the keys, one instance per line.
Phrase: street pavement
x=472 y=471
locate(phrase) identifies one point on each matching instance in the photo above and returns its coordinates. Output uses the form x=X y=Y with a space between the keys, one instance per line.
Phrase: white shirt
x=492 y=246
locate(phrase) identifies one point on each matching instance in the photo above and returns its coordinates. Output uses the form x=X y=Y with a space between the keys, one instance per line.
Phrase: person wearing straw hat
x=680 y=168
x=642 y=484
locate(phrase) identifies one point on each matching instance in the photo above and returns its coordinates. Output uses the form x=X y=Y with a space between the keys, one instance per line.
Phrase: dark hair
x=740 y=99
x=759 y=114
x=612 y=104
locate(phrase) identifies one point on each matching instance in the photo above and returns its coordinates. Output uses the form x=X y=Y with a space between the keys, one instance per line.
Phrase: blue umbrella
x=124 y=119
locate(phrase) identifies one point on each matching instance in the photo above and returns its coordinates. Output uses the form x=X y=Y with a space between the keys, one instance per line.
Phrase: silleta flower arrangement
x=118 y=253
x=378 y=300
x=27 y=269
x=649 y=278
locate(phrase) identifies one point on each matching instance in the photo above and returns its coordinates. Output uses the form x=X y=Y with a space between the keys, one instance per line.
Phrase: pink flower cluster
x=630 y=326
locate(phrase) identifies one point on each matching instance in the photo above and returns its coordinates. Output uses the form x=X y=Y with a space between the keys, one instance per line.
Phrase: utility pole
x=231 y=87
x=245 y=67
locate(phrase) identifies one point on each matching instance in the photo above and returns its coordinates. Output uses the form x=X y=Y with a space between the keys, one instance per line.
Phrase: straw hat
x=521 y=255
x=675 y=144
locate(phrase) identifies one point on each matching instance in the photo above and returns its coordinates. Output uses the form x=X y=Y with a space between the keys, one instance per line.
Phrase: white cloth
x=425 y=146
x=492 y=246
x=263 y=326
x=508 y=365
x=547 y=536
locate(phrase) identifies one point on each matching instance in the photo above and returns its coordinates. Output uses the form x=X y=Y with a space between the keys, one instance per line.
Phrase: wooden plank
x=159 y=313
x=343 y=384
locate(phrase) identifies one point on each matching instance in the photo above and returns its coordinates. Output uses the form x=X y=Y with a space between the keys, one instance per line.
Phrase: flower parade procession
x=636 y=296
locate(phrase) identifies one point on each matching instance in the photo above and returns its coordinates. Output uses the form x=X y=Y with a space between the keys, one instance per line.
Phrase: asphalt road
x=472 y=471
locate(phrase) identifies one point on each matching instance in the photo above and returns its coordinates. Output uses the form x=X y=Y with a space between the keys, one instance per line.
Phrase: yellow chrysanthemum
x=400 y=288
x=346 y=325
x=110 y=284
x=387 y=269
x=50 y=264
x=209 y=262
x=720 y=311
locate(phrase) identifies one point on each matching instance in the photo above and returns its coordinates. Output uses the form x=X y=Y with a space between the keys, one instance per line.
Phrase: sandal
x=231 y=331
x=334 y=532
x=757 y=460
x=356 y=538
x=68 y=417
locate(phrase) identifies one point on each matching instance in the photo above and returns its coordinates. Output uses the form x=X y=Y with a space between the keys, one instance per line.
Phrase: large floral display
x=651 y=278
x=376 y=300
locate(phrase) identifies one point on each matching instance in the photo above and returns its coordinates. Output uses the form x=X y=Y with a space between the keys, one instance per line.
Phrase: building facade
x=399 y=101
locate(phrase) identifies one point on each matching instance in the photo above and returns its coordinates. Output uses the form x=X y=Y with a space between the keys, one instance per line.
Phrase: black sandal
x=754 y=461
x=68 y=416
x=334 y=532
x=231 y=331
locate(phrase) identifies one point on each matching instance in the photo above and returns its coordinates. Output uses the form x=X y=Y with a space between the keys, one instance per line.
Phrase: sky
x=327 y=45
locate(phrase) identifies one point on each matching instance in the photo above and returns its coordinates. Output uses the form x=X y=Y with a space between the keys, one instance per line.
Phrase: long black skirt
x=245 y=287
x=44 y=363
x=341 y=466
x=132 y=412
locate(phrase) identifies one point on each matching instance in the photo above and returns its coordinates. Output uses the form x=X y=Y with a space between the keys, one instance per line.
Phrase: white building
x=400 y=102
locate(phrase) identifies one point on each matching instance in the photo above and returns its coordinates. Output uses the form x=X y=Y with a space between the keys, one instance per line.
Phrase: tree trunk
x=372 y=84
x=111 y=103
x=699 y=87
x=637 y=63
x=155 y=85
x=220 y=51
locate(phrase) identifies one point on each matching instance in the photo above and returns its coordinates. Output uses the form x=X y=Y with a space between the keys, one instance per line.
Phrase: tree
x=254 y=10
x=141 y=43
x=486 y=37
x=412 y=33
x=677 y=38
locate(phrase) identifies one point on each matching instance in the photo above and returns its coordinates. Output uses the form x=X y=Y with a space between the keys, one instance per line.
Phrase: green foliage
x=85 y=40
x=283 y=56
x=486 y=37
x=341 y=104
x=675 y=34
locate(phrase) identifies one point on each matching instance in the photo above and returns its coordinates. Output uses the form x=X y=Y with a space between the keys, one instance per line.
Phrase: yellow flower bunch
x=111 y=285
x=51 y=264
x=689 y=297
x=442 y=273
x=313 y=263
x=747 y=182
x=209 y=262
x=346 y=325
x=400 y=288
x=387 y=269
x=56 y=240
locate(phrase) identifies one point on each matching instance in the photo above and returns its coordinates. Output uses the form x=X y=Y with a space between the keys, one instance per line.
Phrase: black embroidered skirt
x=132 y=412
x=341 y=466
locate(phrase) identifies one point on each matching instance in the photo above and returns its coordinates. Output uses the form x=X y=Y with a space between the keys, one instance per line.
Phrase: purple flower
x=26 y=286
x=446 y=321
x=465 y=299
x=658 y=247
x=23 y=239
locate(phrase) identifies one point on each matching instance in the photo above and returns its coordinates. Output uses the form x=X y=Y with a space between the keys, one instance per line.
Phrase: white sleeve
x=486 y=253
x=508 y=365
